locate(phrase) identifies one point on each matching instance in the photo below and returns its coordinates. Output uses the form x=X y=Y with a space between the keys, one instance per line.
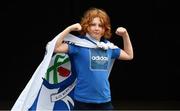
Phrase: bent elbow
x=126 y=58
x=131 y=57
x=55 y=50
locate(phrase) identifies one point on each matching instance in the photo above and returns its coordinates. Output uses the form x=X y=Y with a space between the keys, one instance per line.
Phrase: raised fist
x=121 y=31
x=75 y=27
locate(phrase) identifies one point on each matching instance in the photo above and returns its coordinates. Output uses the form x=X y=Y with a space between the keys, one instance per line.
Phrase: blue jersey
x=91 y=65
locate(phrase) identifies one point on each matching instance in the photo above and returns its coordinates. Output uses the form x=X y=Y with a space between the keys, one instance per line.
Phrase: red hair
x=92 y=13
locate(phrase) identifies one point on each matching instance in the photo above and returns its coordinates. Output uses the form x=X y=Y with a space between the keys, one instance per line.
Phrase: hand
x=75 y=27
x=121 y=31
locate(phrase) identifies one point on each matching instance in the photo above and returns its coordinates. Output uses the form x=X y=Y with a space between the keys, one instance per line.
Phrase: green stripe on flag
x=54 y=68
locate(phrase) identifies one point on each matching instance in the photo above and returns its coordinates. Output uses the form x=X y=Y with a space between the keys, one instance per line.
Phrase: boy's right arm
x=63 y=47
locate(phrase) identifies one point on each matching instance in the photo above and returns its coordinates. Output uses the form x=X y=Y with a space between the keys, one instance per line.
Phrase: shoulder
x=81 y=36
x=105 y=40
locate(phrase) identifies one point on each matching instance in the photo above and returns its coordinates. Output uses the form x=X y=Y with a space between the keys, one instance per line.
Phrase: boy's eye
x=93 y=24
x=100 y=25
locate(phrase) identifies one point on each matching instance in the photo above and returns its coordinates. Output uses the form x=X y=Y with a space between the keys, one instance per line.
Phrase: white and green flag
x=52 y=84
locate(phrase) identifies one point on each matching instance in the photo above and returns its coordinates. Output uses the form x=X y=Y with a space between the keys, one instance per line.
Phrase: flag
x=56 y=92
x=51 y=87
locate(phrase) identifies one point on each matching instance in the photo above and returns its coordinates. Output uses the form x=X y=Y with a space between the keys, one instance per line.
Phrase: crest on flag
x=56 y=92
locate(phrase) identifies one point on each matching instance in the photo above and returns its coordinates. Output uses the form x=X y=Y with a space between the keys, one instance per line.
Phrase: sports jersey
x=91 y=66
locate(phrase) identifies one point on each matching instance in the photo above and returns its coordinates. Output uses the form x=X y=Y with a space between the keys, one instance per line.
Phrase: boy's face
x=96 y=29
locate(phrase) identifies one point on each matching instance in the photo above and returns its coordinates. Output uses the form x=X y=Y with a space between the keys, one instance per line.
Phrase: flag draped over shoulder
x=52 y=84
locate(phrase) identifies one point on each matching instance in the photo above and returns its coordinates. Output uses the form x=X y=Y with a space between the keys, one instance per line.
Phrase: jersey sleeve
x=116 y=53
x=72 y=49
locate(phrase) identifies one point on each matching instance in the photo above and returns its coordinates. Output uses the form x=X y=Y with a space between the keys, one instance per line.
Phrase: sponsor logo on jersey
x=98 y=59
x=101 y=58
